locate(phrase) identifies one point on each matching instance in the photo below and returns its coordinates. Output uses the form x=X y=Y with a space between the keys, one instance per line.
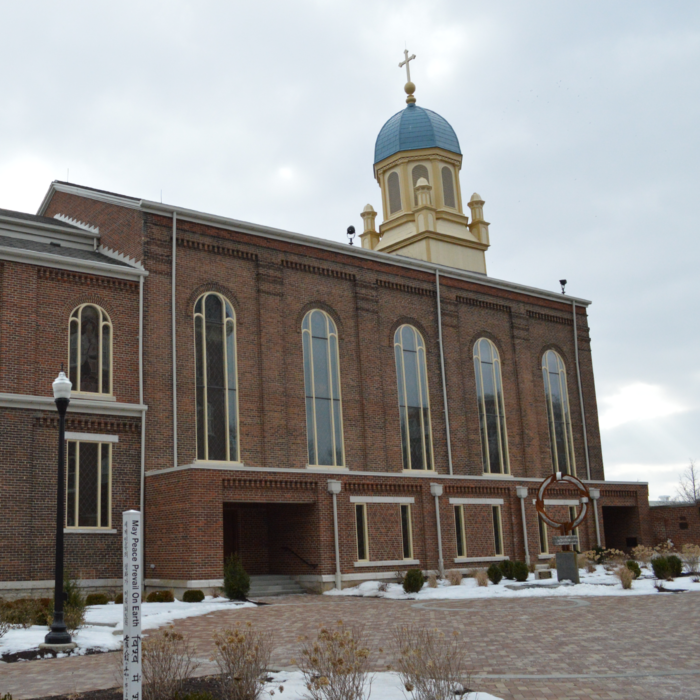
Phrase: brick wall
x=679 y=523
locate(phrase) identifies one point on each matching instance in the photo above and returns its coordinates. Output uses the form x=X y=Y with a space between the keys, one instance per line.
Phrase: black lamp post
x=58 y=634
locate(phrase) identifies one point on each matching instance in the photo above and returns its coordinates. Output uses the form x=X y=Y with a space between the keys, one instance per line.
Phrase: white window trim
x=476 y=501
x=470 y=560
x=382 y=499
x=96 y=528
x=394 y=562
x=89 y=531
x=91 y=437
x=559 y=502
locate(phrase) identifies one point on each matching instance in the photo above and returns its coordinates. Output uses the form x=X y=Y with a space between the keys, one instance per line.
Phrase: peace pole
x=133 y=580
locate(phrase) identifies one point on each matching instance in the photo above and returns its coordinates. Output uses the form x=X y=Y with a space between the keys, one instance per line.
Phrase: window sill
x=88 y=531
x=326 y=468
x=498 y=476
x=92 y=397
x=545 y=556
x=395 y=562
x=470 y=560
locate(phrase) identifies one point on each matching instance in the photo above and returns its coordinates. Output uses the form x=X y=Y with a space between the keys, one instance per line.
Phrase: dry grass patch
x=625 y=575
x=482 y=578
x=454 y=576
x=167 y=663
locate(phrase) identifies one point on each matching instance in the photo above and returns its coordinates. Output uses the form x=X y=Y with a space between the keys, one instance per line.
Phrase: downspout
x=522 y=495
x=334 y=487
x=436 y=490
x=595 y=495
x=580 y=395
x=174 y=350
x=444 y=381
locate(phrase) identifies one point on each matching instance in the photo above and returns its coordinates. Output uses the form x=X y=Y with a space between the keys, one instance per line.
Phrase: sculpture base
x=567 y=567
x=58 y=647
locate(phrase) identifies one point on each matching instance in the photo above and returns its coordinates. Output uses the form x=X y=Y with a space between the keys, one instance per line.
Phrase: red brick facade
x=679 y=523
x=281 y=510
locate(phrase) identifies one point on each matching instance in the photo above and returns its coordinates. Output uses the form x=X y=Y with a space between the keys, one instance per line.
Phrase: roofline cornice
x=63 y=232
x=32 y=257
x=432 y=153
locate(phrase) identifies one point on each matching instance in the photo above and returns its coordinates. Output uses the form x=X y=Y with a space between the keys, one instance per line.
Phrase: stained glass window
x=406 y=532
x=324 y=420
x=90 y=350
x=361 y=532
x=497 y=530
x=216 y=379
x=414 y=404
x=460 y=531
x=89 y=485
x=558 y=413
x=492 y=415
x=544 y=542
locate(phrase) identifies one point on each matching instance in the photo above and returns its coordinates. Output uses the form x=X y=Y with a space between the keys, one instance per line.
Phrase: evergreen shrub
x=119 y=599
x=662 y=569
x=675 y=564
x=506 y=567
x=97 y=599
x=520 y=571
x=494 y=573
x=193 y=596
x=160 y=597
x=236 y=580
x=634 y=568
x=413 y=581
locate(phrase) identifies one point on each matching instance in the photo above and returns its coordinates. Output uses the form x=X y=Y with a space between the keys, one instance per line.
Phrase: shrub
x=482 y=578
x=160 y=597
x=634 y=568
x=242 y=655
x=193 y=596
x=432 y=580
x=494 y=573
x=236 y=580
x=626 y=576
x=552 y=563
x=4 y=624
x=454 y=576
x=119 y=599
x=662 y=569
x=44 y=608
x=532 y=567
x=642 y=553
x=97 y=599
x=520 y=571
x=21 y=612
x=675 y=564
x=413 y=581
x=167 y=662
x=196 y=695
x=690 y=555
x=431 y=665
x=506 y=567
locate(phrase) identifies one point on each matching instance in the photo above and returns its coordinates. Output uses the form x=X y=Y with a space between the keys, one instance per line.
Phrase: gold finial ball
x=409 y=87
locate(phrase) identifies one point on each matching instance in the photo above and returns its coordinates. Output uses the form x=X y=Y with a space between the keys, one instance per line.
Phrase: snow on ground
x=600 y=583
x=385 y=686
x=104 y=620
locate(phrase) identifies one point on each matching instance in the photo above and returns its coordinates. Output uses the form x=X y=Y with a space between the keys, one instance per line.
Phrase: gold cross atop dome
x=410 y=88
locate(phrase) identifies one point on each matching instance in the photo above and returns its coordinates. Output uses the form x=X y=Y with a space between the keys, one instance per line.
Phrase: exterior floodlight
x=563 y=286
x=351 y=233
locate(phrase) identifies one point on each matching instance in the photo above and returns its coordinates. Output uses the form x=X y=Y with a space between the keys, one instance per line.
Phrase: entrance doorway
x=232 y=531
x=621 y=527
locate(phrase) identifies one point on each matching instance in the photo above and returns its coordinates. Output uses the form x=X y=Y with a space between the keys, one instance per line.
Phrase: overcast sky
x=578 y=121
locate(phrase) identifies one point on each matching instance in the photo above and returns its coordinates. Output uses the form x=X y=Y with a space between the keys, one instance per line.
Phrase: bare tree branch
x=689 y=485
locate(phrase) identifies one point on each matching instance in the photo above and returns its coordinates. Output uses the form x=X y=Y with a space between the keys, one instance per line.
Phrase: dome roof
x=413 y=128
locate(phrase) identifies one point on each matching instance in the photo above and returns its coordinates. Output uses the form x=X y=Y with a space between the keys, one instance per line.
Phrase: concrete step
x=272 y=585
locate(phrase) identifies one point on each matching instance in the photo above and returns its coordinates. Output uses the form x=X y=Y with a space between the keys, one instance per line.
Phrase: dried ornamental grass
x=626 y=576
x=336 y=664
x=482 y=578
x=167 y=662
x=690 y=556
x=590 y=567
x=642 y=554
x=242 y=655
x=432 y=580
x=431 y=665
x=552 y=563
x=454 y=576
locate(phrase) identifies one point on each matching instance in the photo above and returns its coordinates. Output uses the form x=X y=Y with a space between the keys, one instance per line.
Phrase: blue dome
x=413 y=128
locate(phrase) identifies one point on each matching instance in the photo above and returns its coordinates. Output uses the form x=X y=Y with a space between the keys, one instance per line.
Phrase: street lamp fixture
x=58 y=636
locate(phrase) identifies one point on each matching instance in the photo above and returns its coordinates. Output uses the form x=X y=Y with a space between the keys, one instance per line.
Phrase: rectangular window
x=406 y=532
x=361 y=531
x=544 y=542
x=89 y=485
x=497 y=531
x=572 y=516
x=460 y=532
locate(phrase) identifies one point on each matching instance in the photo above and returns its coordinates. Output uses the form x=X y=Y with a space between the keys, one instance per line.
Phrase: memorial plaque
x=133 y=575
x=562 y=540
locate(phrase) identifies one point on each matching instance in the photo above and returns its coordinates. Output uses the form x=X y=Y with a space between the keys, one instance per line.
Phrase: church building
x=332 y=413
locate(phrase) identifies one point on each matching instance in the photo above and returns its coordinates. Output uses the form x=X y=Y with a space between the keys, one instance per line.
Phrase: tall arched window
x=394 y=192
x=324 y=419
x=216 y=379
x=414 y=404
x=558 y=413
x=492 y=415
x=416 y=174
x=448 y=188
x=90 y=350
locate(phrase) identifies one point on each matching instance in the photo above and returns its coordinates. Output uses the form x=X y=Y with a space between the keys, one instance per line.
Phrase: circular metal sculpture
x=566 y=526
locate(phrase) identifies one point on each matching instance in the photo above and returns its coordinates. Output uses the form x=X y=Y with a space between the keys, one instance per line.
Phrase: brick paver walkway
x=640 y=647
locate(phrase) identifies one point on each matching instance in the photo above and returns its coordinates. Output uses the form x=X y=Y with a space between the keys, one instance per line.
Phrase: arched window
x=416 y=174
x=558 y=413
x=90 y=350
x=414 y=404
x=324 y=420
x=216 y=379
x=492 y=415
x=394 y=193
x=448 y=188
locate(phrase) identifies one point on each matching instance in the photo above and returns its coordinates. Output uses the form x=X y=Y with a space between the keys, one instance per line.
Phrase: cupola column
x=478 y=226
x=369 y=236
x=425 y=211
